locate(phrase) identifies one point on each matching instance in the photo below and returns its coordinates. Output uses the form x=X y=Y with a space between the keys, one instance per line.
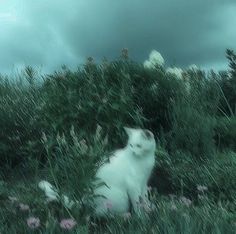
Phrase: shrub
x=193 y=131
x=17 y=111
x=225 y=133
x=72 y=163
x=228 y=85
x=183 y=174
x=86 y=98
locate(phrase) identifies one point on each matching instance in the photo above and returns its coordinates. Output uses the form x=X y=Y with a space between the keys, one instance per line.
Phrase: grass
x=172 y=214
x=60 y=129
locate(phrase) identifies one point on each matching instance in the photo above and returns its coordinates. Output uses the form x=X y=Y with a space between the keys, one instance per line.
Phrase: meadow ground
x=59 y=129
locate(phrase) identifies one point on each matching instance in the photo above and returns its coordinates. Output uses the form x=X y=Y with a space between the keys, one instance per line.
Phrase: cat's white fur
x=125 y=176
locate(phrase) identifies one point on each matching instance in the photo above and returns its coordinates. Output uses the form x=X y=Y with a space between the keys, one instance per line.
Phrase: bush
x=228 y=86
x=193 y=131
x=183 y=175
x=72 y=162
x=87 y=98
x=186 y=119
x=18 y=105
x=156 y=92
x=63 y=129
x=225 y=133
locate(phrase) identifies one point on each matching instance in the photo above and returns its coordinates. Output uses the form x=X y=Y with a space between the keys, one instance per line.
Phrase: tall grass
x=61 y=129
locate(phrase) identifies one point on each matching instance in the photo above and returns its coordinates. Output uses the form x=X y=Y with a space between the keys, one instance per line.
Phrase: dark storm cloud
x=51 y=33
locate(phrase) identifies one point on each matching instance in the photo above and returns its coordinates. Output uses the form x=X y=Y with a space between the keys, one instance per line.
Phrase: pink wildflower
x=127 y=216
x=146 y=205
x=23 y=207
x=33 y=222
x=185 y=201
x=67 y=224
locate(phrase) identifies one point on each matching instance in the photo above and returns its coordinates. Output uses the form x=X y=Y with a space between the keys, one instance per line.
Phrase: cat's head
x=140 y=141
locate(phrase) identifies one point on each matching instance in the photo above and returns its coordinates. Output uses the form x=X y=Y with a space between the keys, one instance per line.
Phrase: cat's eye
x=138 y=145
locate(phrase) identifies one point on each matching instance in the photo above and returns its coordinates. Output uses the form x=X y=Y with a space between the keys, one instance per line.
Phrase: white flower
x=156 y=58
x=175 y=71
x=148 y=64
x=49 y=190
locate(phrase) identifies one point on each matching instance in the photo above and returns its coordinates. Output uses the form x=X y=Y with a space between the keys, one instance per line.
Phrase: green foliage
x=228 y=85
x=231 y=56
x=170 y=215
x=193 y=131
x=193 y=117
x=72 y=162
x=61 y=129
x=225 y=133
x=183 y=175
x=18 y=106
x=87 y=98
x=156 y=91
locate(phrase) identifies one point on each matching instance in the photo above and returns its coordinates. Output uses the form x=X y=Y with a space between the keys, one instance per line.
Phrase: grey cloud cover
x=51 y=33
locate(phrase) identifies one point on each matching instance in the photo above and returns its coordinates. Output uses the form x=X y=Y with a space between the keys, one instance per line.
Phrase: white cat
x=125 y=175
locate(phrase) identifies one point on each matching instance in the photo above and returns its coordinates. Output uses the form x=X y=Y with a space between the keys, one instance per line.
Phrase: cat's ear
x=128 y=131
x=147 y=134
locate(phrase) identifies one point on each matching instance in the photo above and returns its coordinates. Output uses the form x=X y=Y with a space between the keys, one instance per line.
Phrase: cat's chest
x=141 y=168
x=134 y=169
x=122 y=169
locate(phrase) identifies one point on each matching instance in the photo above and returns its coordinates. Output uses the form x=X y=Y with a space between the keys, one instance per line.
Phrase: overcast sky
x=49 y=33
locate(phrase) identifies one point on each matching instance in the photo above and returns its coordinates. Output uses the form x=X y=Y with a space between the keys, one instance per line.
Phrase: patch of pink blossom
x=24 y=207
x=67 y=224
x=126 y=216
x=185 y=201
x=146 y=205
x=33 y=222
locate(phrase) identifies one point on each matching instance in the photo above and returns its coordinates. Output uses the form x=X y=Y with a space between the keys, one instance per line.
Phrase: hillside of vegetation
x=61 y=128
